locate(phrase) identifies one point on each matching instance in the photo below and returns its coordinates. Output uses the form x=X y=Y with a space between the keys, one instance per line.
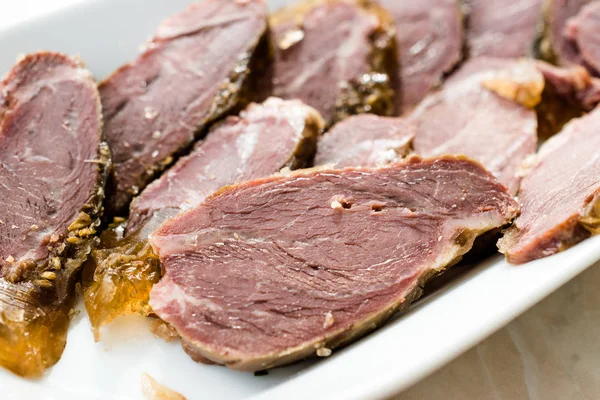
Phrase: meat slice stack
x=262 y=140
x=193 y=72
x=429 y=35
x=273 y=270
x=53 y=167
x=560 y=195
x=365 y=140
x=336 y=56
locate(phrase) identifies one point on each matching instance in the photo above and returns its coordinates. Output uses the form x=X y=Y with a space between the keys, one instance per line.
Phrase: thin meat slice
x=503 y=28
x=483 y=112
x=336 y=56
x=53 y=167
x=264 y=139
x=429 y=35
x=365 y=140
x=560 y=196
x=583 y=33
x=567 y=92
x=195 y=70
x=555 y=45
x=274 y=270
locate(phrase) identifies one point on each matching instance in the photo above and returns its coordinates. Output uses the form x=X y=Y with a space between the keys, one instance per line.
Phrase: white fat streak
x=246 y=143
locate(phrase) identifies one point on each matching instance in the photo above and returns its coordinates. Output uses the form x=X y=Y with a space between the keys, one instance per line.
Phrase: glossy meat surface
x=273 y=270
x=365 y=140
x=191 y=73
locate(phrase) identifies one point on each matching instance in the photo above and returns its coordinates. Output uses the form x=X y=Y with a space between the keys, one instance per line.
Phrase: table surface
x=552 y=352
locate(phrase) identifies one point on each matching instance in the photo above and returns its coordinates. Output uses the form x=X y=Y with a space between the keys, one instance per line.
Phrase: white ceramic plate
x=107 y=33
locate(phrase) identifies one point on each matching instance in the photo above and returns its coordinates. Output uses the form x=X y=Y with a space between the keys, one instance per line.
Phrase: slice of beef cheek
x=53 y=167
x=262 y=140
x=365 y=140
x=335 y=55
x=271 y=271
x=555 y=46
x=583 y=33
x=505 y=29
x=193 y=72
x=560 y=196
x=484 y=115
x=429 y=35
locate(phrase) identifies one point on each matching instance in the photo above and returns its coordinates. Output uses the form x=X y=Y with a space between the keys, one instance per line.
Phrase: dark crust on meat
x=462 y=244
x=35 y=311
x=372 y=92
x=542 y=46
x=235 y=93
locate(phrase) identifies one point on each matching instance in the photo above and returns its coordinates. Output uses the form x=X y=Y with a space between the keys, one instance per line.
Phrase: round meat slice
x=560 y=196
x=336 y=56
x=365 y=140
x=429 y=35
x=274 y=270
x=53 y=167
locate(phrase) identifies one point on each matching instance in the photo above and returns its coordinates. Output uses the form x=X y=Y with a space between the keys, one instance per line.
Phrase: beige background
x=552 y=352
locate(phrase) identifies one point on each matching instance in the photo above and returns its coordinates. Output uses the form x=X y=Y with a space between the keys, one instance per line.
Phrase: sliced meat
x=335 y=55
x=264 y=139
x=574 y=85
x=483 y=112
x=503 y=28
x=53 y=167
x=429 y=34
x=560 y=196
x=583 y=34
x=365 y=140
x=193 y=71
x=274 y=270
x=555 y=46
x=567 y=92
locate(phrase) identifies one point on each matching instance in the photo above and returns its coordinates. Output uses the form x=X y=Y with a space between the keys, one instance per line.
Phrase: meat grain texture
x=260 y=142
x=560 y=196
x=337 y=56
x=503 y=28
x=53 y=167
x=194 y=71
x=484 y=111
x=365 y=140
x=429 y=36
x=277 y=269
